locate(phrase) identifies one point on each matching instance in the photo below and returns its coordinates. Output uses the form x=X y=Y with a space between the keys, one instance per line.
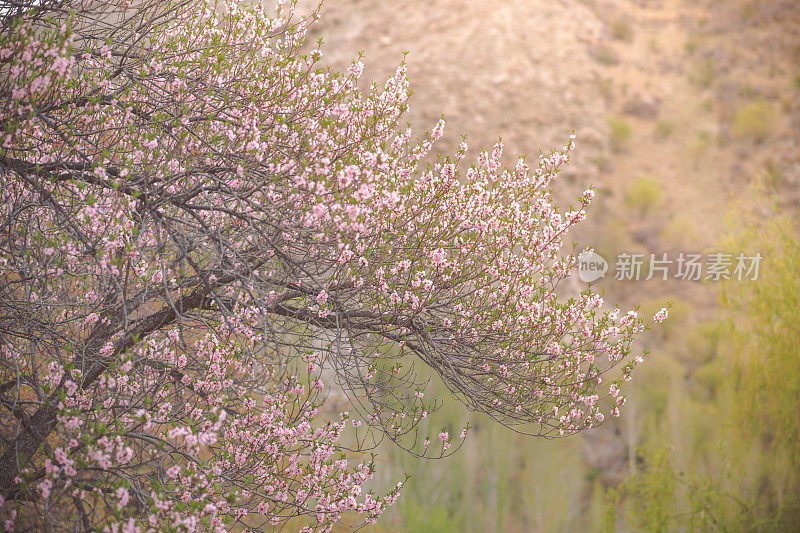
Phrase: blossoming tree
x=198 y=223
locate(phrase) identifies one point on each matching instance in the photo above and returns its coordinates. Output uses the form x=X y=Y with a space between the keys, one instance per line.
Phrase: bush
x=664 y=129
x=620 y=131
x=753 y=121
x=691 y=45
x=773 y=175
x=644 y=194
x=605 y=55
x=702 y=73
x=680 y=233
x=622 y=30
x=699 y=146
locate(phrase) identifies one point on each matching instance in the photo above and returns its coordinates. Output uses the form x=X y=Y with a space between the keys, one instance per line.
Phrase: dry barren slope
x=516 y=69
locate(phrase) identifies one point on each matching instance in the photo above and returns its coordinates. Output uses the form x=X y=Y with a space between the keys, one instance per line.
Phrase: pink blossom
x=44 y=488
x=322 y=297
x=355 y=69
x=123 y=497
x=201 y=199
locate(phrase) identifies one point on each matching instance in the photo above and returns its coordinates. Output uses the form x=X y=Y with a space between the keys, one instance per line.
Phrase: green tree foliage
x=732 y=462
x=764 y=328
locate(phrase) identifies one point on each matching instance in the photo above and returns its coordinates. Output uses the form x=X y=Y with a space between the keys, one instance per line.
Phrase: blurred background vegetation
x=710 y=439
x=687 y=115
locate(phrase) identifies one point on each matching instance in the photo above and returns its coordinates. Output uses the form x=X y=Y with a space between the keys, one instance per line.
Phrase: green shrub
x=615 y=239
x=655 y=488
x=664 y=129
x=753 y=121
x=680 y=233
x=622 y=30
x=605 y=55
x=601 y=162
x=774 y=176
x=702 y=73
x=749 y=11
x=691 y=45
x=643 y=194
x=699 y=146
x=746 y=91
x=620 y=131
